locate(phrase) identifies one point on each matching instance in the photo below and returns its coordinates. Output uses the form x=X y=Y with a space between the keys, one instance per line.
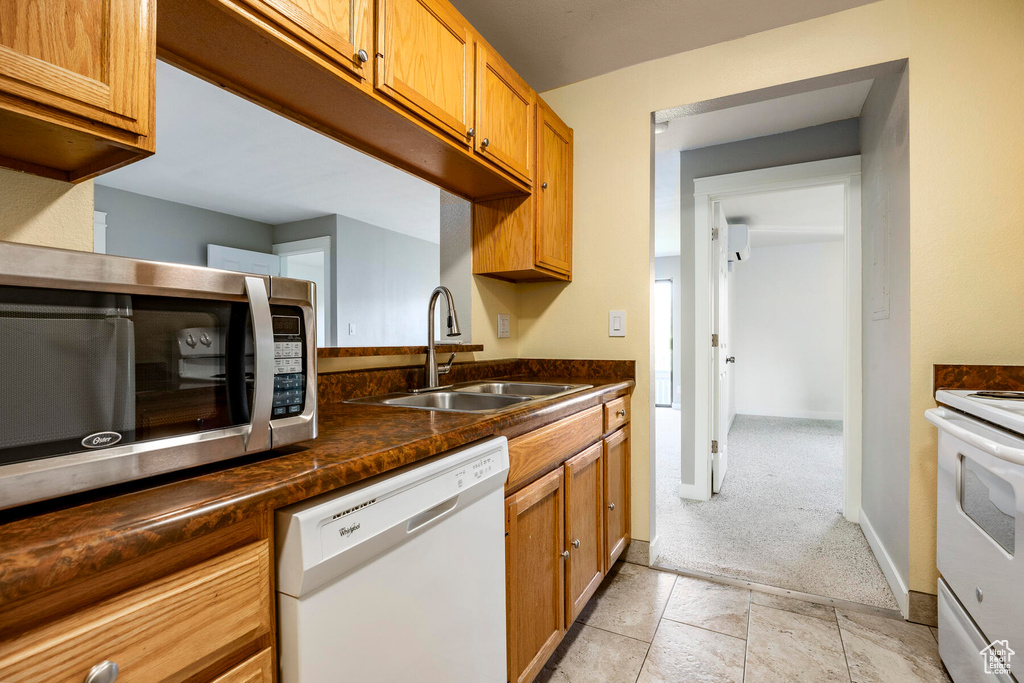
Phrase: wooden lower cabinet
x=174 y=628
x=564 y=530
x=584 y=528
x=616 y=495
x=257 y=669
x=535 y=575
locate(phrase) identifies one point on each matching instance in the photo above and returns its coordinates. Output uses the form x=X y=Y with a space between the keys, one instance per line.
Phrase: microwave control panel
x=289 y=366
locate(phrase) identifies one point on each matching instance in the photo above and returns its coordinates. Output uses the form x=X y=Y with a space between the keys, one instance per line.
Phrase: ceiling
x=775 y=219
x=722 y=126
x=556 y=42
x=220 y=152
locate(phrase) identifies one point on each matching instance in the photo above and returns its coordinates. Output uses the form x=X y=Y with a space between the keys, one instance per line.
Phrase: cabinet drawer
x=257 y=669
x=166 y=630
x=616 y=414
x=542 y=450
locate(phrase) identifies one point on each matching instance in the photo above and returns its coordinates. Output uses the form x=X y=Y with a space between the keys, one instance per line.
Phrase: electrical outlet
x=616 y=323
x=504 y=326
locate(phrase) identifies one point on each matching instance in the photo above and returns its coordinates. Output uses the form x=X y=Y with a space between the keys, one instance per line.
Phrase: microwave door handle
x=258 y=438
x=938 y=417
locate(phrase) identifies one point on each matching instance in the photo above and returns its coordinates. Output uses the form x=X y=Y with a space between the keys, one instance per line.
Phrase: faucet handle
x=445 y=368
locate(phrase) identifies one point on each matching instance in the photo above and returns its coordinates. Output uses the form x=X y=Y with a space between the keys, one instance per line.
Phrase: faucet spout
x=431 y=369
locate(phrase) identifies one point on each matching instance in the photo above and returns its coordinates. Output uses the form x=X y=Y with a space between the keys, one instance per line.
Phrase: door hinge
x=714 y=341
x=714 y=234
x=714 y=445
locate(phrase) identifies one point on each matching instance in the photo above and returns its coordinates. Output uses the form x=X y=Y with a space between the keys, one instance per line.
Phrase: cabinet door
x=616 y=495
x=584 y=528
x=341 y=30
x=257 y=669
x=535 y=570
x=92 y=58
x=505 y=115
x=425 y=61
x=553 y=190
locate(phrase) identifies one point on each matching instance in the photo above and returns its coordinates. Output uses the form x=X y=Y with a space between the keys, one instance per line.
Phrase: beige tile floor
x=648 y=626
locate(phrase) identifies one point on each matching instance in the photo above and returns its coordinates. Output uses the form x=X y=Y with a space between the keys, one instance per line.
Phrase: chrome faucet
x=433 y=370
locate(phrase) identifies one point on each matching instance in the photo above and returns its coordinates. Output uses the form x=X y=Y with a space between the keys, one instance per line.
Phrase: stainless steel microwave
x=114 y=369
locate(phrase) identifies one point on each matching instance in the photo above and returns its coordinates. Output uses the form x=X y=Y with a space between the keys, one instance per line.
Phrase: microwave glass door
x=988 y=499
x=88 y=370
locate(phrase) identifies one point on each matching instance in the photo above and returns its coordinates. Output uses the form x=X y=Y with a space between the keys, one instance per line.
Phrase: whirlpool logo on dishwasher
x=349 y=530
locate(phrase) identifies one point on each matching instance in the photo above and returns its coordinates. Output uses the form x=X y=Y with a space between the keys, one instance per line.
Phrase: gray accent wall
x=827 y=141
x=885 y=211
x=457 y=257
x=159 y=230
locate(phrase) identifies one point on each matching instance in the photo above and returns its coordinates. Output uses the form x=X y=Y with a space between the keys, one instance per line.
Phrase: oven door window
x=84 y=370
x=988 y=499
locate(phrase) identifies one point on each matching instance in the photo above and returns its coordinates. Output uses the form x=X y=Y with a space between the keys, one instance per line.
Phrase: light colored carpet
x=778 y=519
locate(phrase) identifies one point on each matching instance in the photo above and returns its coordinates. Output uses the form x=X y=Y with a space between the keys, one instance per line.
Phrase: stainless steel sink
x=532 y=389
x=447 y=401
x=475 y=397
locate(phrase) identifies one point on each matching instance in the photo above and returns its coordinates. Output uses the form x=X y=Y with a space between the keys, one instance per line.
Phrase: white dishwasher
x=400 y=578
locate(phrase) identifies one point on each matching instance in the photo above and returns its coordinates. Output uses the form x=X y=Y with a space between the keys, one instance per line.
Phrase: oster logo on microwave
x=101 y=439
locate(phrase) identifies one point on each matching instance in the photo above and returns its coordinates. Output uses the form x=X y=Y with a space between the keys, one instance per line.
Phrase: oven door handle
x=939 y=418
x=258 y=438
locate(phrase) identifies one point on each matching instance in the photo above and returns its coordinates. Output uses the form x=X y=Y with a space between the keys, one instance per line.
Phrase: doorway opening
x=758 y=475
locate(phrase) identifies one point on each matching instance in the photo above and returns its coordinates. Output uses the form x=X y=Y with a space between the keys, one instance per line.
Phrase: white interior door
x=309 y=260
x=242 y=260
x=720 y=354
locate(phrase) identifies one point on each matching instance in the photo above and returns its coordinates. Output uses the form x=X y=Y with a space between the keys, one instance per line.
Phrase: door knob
x=565 y=554
x=485 y=142
x=543 y=186
x=730 y=359
x=576 y=543
x=364 y=57
x=471 y=132
x=621 y=412
x=611 y=506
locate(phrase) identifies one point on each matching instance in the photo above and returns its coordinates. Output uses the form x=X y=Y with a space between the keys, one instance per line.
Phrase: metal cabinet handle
x=576 y=543
x=565 y=554
x=621 y=412
x=104 y=672
x=730 y=359
x=543 y=186
x=485 y=142
x=364 y=57
x=611 y=506
x=471 y=133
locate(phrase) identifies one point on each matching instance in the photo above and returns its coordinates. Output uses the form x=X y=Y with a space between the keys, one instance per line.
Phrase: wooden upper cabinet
x=554 y=192
x=616 y=495
x=424 y=52
x=76 y=84
x=584 y=528
x=535 y=575
x=523 y=239
x=505 y=115
x=339 y=30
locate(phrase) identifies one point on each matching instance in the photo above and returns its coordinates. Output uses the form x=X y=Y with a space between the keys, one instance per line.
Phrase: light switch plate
x=616 y=323
x=504 y=326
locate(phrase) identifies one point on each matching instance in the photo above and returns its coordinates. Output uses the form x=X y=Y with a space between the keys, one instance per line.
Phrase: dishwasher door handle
x=436 y=512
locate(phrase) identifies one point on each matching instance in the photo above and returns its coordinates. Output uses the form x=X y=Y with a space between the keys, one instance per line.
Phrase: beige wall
x=37 y=210
x=966 y=75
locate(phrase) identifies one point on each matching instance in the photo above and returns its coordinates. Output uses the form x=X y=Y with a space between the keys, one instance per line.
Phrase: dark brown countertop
x=45 y=547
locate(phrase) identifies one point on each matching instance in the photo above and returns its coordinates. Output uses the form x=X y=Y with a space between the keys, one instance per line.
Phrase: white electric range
x=980 y=518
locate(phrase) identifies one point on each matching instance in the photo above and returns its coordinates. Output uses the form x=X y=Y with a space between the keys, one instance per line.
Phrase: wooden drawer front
x=540 y=451
x=167 y=630
x=257 y=669
x=616 y=414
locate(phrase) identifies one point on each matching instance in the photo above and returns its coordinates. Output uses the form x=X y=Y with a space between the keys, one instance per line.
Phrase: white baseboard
x=801 y=414
x=692 y=492
x=653 y=549
x=896 y=582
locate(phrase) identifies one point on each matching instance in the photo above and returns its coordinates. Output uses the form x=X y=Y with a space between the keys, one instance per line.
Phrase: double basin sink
x=475 y=397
